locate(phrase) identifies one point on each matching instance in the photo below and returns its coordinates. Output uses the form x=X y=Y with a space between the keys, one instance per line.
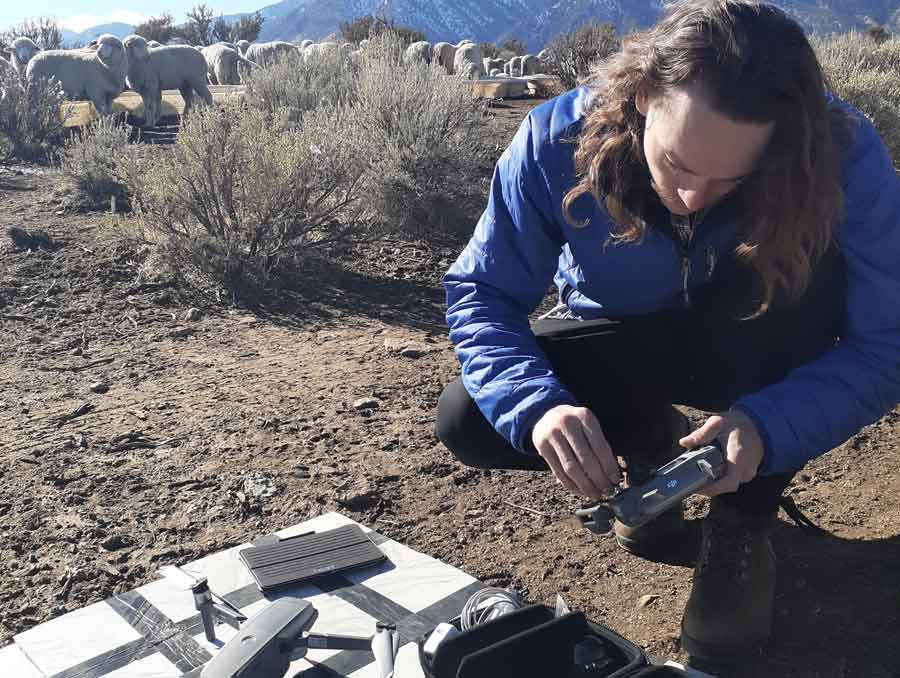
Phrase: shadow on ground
x=837 y=609
x=328 y=291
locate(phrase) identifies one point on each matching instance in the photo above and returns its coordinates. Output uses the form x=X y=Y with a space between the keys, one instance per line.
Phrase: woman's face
x=696 y=156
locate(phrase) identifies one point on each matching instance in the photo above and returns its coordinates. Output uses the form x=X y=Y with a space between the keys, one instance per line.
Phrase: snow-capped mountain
x=120 y=30
x=533 y=21
x=536 y=21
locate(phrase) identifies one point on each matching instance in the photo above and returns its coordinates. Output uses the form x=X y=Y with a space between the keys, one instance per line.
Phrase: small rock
x=257 y=486
x=181 y=332
x=193 y=315
x=99 y=387
x=649 y=599
x=113 y=543
x=366 y=404
x=406 y=347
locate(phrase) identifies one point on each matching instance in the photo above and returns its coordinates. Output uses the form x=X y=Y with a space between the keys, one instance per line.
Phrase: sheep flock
x=106 y=67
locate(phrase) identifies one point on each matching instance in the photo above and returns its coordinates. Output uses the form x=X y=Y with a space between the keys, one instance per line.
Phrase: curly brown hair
x=754 y=64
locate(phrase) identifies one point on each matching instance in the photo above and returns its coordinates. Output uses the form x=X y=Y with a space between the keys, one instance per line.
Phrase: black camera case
x=532 y=642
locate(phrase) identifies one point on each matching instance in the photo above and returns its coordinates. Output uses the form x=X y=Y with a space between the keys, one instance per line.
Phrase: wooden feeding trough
x=512 y=88
x=81 y=113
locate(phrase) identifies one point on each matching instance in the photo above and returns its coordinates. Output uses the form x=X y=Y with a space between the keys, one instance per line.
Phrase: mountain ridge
x=533 y=21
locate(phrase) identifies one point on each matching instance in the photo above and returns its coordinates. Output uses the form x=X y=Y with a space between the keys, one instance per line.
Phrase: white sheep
x=223 y=64
x=495 y=64
x=150 y=71
x=467 y=61
x=242 y=46
x=419 y=51
x=267 y=53
x=97 y=75
x=443 y=53
x=327 y=47
x=23 y=51
x=531 y=65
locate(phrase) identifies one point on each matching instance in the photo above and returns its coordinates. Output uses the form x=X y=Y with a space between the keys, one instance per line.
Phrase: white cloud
x=81 y=22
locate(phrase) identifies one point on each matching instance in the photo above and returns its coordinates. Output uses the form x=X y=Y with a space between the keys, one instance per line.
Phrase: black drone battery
x=307 y=556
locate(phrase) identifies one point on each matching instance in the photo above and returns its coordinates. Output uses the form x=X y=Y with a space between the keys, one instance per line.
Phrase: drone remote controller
x=634 y=506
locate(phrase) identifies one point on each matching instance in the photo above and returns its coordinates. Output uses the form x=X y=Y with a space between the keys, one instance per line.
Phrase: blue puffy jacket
x=522 y=241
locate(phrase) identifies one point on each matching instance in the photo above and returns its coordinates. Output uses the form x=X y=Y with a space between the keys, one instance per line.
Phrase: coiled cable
x=486 y=604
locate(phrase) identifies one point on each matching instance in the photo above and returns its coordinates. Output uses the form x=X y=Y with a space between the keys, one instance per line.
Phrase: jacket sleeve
x=821 y=404
x=498 y=280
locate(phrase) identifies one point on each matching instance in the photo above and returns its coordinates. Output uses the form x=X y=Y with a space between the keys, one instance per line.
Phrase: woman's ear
x=642 y=100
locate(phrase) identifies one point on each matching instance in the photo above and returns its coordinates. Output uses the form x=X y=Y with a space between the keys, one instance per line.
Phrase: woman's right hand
x=572 y=443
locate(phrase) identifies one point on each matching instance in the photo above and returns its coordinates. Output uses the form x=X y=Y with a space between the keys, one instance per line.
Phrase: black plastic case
x=532 y=642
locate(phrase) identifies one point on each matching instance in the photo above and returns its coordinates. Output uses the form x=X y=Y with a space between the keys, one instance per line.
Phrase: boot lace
x=726 y=549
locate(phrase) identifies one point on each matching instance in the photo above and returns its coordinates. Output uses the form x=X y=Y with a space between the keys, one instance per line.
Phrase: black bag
x=532 y=643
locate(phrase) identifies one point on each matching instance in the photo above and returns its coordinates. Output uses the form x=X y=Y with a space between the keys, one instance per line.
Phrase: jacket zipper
x=685 y=278
x=686 y=267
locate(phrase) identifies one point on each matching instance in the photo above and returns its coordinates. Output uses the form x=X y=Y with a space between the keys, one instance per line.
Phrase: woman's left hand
x=742 y=445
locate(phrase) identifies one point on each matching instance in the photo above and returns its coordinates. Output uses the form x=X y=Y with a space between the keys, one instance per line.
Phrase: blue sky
x=80 y=14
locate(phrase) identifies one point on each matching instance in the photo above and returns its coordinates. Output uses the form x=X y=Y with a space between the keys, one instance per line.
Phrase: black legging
x=629 y=371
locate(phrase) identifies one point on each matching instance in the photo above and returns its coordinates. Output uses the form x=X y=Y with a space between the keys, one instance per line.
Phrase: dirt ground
x=132 y=437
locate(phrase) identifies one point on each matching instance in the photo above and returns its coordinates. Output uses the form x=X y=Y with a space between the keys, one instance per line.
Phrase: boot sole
x=641 y=549
x=717 y=653
x=681 y=548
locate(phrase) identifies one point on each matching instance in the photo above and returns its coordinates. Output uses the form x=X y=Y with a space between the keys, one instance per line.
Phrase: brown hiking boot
x=668 y=538
x=729 y=613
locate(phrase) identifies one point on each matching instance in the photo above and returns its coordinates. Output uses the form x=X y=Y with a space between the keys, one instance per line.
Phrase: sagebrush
x=321 y=148
x=31 y=118
x=571 y=55
x=427 y=135
x=91 y=160
x=295 y=85
x=866 y=74
x=241 y=191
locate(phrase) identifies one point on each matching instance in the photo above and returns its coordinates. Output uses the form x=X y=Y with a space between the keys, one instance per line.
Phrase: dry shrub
x=241 y=191
x=867 y=75
x=427 y=136
x=318 y=149
x=571 y=55
x=91 y=159
x=295 y=85
x=30 y=124
x=848 y=52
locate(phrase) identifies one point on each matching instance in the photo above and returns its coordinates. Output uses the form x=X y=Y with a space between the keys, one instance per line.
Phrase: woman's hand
x=572 y=443
x=742 y=444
